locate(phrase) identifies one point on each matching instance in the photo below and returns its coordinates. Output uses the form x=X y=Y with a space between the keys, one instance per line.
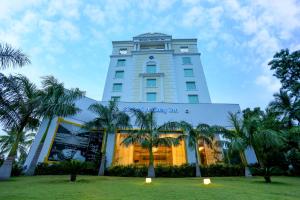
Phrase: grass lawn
x=92 y=187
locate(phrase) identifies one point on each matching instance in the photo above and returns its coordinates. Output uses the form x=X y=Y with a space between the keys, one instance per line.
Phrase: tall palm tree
x=55 y=101
x=269 y=138
x=287 y=106
x=19 y=102
x=150 y=135
x=109 y=118
x=202 y=133
x=238 y=138
x=16 y=143
x=10 y=57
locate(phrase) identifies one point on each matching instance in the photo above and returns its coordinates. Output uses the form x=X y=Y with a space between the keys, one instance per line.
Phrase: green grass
x=92 y=187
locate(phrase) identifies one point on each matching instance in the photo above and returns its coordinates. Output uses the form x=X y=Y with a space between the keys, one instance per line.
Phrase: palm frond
x=10 y=57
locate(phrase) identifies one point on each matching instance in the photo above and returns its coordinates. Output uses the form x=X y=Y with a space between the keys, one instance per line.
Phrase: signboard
x=73 y=142
x=156 y=109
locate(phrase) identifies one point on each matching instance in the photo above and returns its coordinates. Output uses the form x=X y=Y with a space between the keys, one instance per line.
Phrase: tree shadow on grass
x=272 y=183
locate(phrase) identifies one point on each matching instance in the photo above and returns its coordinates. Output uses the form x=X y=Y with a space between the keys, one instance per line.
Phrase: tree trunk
x=103 y=156
x=198 y=170
x=31 y=169
x=6 y=168
x=73 y=177
x=151 y=170
x=244 y=162
x=267 y=175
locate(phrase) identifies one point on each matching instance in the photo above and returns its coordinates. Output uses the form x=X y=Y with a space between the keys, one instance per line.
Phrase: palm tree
x=238 y=139
x=109 y=118
x=10 y=57
x=268 y=138
x=150 y=135
x=55 y=101
x=202 y=133
x=287 y=106
x=19 y=102
x=16 y=143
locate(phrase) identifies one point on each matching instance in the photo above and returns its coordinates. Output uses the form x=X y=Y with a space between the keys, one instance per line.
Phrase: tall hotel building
x=151 y=71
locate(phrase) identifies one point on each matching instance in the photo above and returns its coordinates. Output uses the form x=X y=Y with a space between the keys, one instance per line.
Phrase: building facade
x=151 y=71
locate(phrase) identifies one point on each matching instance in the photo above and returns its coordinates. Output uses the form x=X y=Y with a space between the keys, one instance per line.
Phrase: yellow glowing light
x=154 y=149
x=206 y=181
x=148 y=180
x=201 y=148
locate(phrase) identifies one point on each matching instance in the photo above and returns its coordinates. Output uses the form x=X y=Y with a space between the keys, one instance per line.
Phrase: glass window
x=151 y=96
x=188 y=72
x=123 y=51
x=151 y=82
x=186 y=61
x=116 y=98
x=184 y=49
x=121 y=62
x=151 y=69
x=190 y=85
x=119 y=74
x=193 y=98
x=117 y=87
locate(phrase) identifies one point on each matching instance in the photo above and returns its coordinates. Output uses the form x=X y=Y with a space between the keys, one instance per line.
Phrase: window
x=123 y=51
x=121 y=62
x=151 y=68
x=188 y=72
x=184 y=49
x=186 y=61
x=116 y=98
x=151 y=96
x=119 y=74
x=117 y=87
x=190 y=85
x=151 y=83
x=193 y=98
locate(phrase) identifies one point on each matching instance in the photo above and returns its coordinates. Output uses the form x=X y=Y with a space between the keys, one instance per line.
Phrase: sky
x=71 y=39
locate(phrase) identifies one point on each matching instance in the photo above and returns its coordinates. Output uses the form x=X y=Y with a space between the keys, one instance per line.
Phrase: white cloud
x=268 y=82
x=95 y=14
x=65 y=8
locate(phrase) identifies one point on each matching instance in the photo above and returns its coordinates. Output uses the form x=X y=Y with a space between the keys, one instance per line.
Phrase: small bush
x=61 y=169
x=185 y=170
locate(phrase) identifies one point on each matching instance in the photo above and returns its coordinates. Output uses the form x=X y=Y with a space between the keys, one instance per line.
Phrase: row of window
x=152 y=97
x=150 y=83
x=185 y=61
x=183 y=49
x=152 y=69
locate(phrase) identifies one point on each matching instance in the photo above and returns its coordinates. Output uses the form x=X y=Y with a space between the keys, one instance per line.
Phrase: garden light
x=206 y=181
x=148 y=180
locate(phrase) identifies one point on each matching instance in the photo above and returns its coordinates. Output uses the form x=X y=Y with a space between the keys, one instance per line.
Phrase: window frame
x=193 y=95
x=149 y=93
x=186 y=69
x=122 y=50
x=151 y=65
x=116 y=97
x=121 y=61
x=119 y=71
x=151 y=86
x=186 y=63
x=190 y=82
x=121 y=87
x=184 y=49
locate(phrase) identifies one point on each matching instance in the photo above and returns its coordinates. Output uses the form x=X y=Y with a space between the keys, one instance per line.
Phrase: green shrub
x=185 y=170
x=61 y=169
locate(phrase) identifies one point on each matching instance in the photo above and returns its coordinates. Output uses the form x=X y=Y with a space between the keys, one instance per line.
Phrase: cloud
x=65 y=8
x=273 y=85
x=95 y=14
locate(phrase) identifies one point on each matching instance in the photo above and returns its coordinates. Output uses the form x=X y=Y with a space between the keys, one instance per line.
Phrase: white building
x=151 y=71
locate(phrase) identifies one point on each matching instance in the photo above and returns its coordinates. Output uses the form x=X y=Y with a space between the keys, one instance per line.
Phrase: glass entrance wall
x=135 y=154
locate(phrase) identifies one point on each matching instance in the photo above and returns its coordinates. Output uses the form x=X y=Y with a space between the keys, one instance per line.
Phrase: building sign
x=156 y=109
x=73 y=142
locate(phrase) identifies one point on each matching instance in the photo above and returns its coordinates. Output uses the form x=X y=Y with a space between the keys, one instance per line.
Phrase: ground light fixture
x=206 y=181
x=148 y=180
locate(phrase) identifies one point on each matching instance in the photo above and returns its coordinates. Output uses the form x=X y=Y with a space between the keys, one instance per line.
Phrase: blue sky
x=71 y=39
